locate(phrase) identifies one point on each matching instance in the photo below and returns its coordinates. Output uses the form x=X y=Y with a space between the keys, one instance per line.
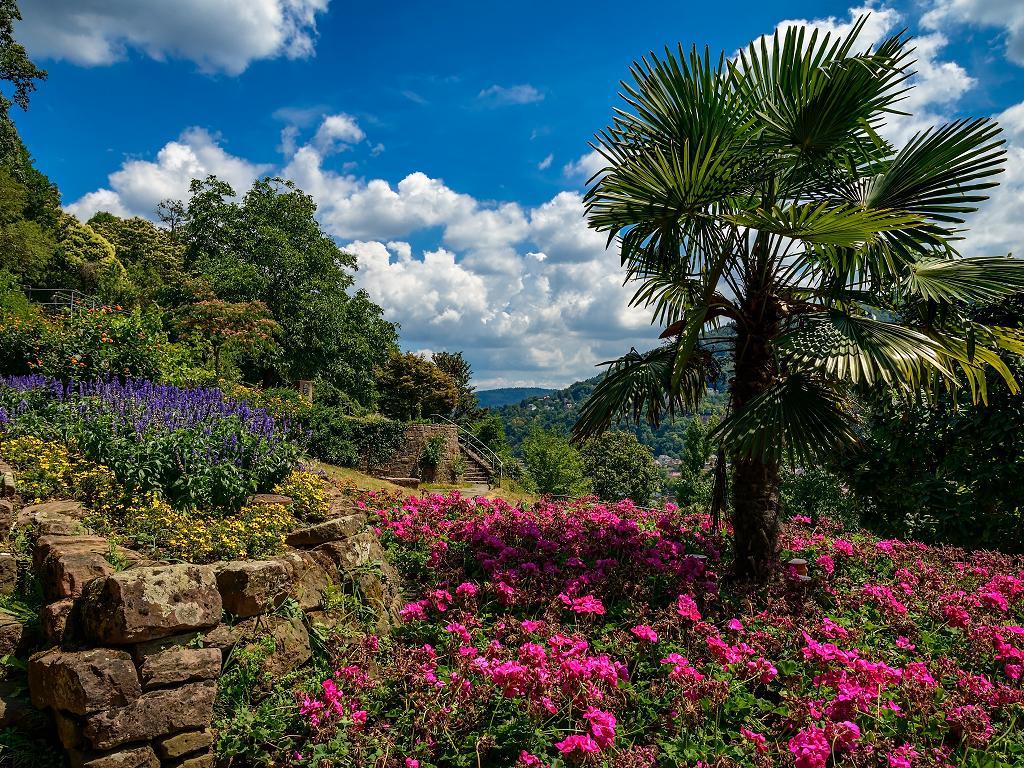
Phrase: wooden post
x=306 y=389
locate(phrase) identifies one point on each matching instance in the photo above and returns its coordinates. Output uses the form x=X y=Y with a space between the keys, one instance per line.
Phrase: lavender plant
x=194 y=447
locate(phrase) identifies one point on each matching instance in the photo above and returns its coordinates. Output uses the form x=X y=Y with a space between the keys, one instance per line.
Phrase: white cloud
x=1007 y=15
x=218 y=35
x=544 y=164
x=499 y=95
x=337 y=132
x=585 y=166
x=138 y=185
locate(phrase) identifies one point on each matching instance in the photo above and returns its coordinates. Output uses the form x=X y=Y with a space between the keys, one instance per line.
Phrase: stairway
x=478 y=469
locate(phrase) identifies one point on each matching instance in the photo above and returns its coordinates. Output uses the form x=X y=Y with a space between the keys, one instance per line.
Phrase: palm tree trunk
x=755 y=483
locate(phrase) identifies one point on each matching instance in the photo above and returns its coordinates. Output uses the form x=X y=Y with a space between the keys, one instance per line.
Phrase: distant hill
x=495 y=398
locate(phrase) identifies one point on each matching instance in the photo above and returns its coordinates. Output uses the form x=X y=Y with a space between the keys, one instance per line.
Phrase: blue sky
x=445 y=142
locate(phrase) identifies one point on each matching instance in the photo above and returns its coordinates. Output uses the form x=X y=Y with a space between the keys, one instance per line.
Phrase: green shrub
x=620 y=467
x=367 y=442
x=555 y=467
x=433 y=453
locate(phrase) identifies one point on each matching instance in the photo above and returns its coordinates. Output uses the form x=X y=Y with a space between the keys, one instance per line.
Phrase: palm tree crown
x=758 y=191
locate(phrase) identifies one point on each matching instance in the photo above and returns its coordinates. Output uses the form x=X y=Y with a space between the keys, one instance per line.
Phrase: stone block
x=251 y=587
x=312 y=575
x=8 y=573
x=12 y=635
x=65 y=564
x=69 y=730
x=353 y=552
x=82 y=682
x=152 y=715
x=147 y=603
x=183 y=744
x=266 y=499
x=57 y=620
x=177 y=665
x=52 y=518
x=291 y=640
x=330 y=530
x=199 y=761
x=15 y=706
x=131 y=757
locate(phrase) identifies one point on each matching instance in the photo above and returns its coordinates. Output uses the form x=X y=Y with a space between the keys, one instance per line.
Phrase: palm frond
x=639 y=387
x=974 y=279
x=824 y=223
x=861 y=350
x=801 y=419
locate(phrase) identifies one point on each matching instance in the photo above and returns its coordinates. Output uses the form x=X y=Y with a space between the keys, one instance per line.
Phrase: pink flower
x=532 y=626
x=758 y=740
x=804 y=519
x=735 y=625
x=687 y=608
x=904 y=643
x=844 y=735
x=411 y=763
x=526 y=760
x=1014 y=671
x=901 y=757
x=587 y=604
x=827 y=564
x=414 y=611
x=583 y=743
x=602 y=726
x=467 y=589
x=810 y=747
x=843 y=547
x=644 y=632
x=359 y=717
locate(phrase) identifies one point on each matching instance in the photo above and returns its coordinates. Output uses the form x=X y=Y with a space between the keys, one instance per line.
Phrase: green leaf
x=975 y=279
x=800 y=418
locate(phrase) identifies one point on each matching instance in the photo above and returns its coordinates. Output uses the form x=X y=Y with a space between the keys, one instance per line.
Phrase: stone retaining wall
x=406 y=462
x=130 y=676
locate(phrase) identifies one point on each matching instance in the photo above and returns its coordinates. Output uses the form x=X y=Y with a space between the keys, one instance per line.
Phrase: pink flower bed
x=606 y=635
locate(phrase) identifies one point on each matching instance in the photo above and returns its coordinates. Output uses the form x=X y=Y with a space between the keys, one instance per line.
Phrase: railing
x=62 y=299
x=470 y=440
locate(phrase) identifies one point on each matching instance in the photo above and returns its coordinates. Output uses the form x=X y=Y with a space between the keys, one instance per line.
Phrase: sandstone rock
x=381 y=589
x=69 y=731
x=330 y=530
x=7 y=516
x=151 y=647
x=8 y=573
x=183 y=744
x=57 y=620
x=15 y=706
x=146 y=603
x=312 y=575
x=82 y=682
x=134 y=757
x=154 y=714
x=12 y=634
x=66 y=563
x=200 y=761
x=264 y=499
x=251 y=587
x=353 y=552
x=291 y=640
x=52 y=518
x=179 y=665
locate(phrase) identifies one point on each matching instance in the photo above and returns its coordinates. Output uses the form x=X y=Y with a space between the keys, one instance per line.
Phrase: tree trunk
x=755 y=483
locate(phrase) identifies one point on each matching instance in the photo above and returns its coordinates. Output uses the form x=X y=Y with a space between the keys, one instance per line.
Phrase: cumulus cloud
x=138 y=185
x=1007 y=15
x=500 y=96
x=218 y=35
x=337 y=132
x=585 y=166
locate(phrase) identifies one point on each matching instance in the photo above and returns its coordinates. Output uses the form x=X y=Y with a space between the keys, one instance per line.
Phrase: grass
x=511 y=491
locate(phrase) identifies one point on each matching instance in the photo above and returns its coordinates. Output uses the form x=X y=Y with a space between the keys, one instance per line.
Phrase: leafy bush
x=368 y=442
x=555 y=467
x=85 y=344
x=819 y=494
x=432 y=455
x=620 y=467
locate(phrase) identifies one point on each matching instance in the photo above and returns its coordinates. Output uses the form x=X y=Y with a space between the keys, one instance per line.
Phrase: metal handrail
x=497 y=465
x=61 y=298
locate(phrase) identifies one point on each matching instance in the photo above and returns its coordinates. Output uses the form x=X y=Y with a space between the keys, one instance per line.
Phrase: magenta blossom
x=644 y=632
x=687 y=608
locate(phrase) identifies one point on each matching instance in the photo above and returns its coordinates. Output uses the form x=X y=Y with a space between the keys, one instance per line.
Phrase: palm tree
x=758 y=192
